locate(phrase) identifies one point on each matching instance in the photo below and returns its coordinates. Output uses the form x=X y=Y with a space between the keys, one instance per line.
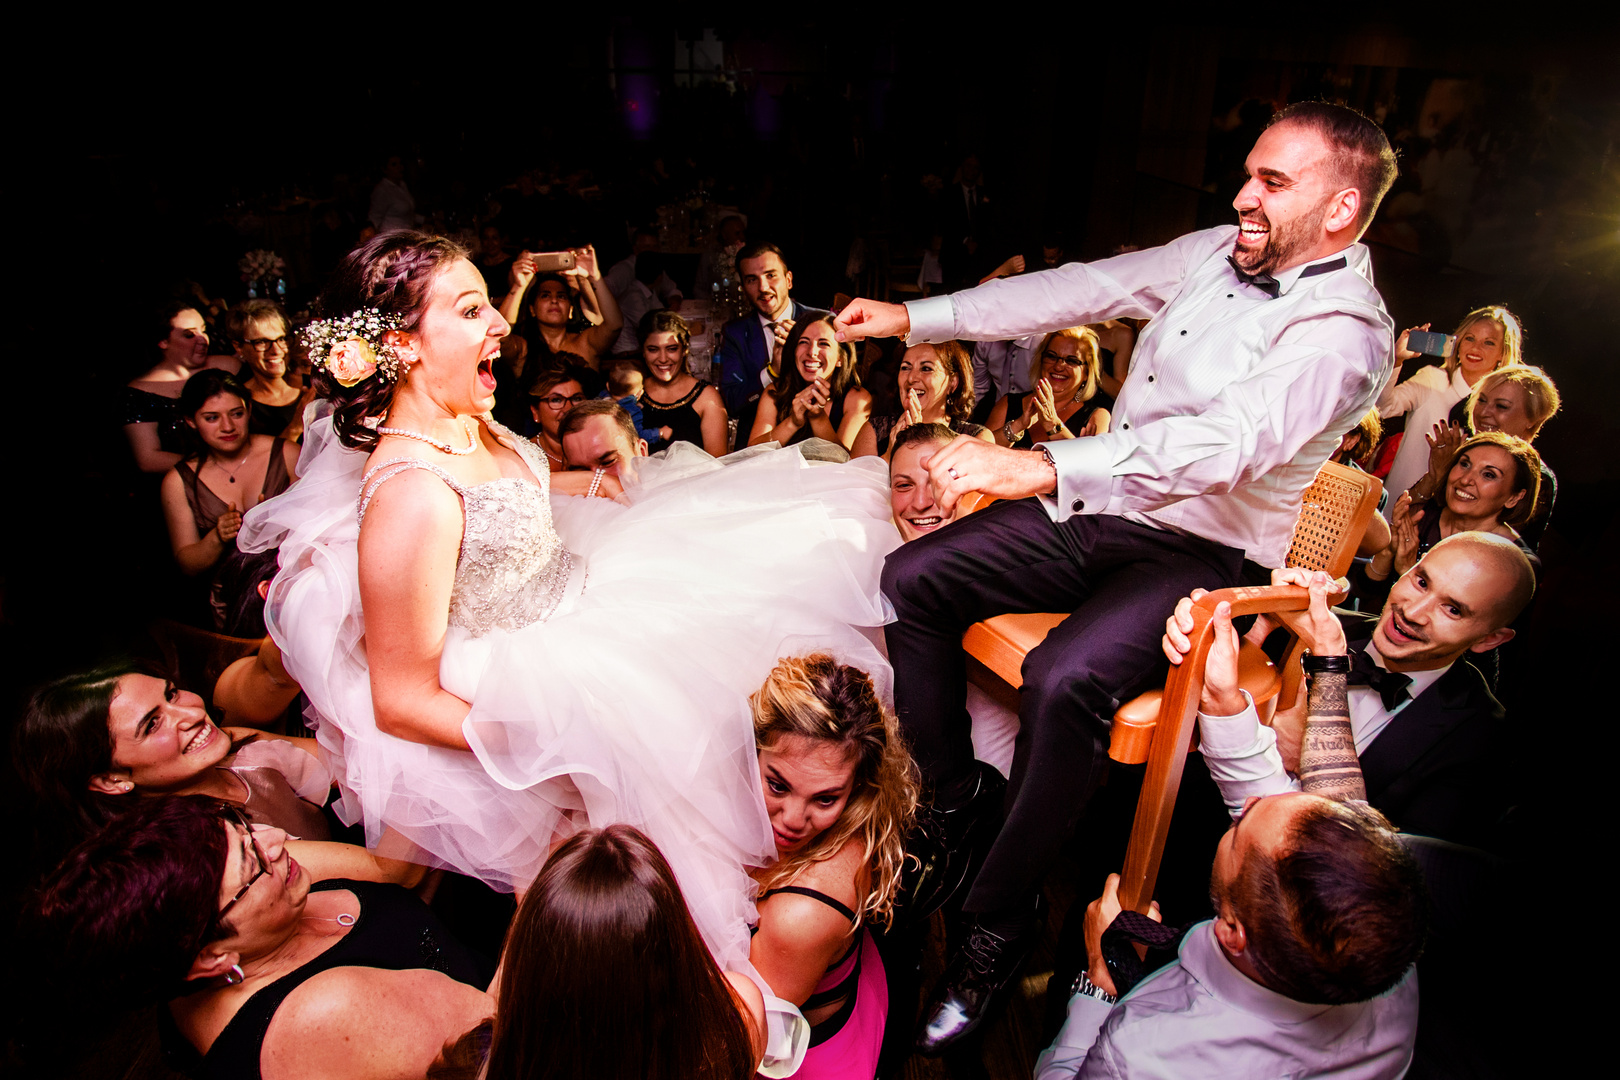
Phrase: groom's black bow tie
x=1268 y=284
x=1391 y=685
x=1264 y=282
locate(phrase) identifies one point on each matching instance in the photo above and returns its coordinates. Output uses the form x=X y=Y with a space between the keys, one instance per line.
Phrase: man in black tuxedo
x=1429 y=740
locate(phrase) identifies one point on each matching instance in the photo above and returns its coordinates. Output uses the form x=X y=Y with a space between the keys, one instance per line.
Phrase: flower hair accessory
x=351 y=349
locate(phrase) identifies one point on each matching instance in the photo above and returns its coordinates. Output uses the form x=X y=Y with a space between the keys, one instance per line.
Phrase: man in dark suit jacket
x=1422 y=731
x=744 y=356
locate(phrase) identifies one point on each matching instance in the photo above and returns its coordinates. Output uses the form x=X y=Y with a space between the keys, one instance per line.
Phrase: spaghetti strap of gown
x=607 y=650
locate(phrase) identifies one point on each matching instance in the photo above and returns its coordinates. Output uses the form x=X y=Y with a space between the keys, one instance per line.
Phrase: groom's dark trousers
x=1120 y=579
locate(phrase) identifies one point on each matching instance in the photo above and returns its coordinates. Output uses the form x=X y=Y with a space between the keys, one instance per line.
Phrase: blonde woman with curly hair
x=841 y=791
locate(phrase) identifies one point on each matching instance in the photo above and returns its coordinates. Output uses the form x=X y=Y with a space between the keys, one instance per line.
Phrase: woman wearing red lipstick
x=841 y=791
x=1491 y=486
x=227 y=471
x=459 y=630
x=1486 y=339
x=278 y=958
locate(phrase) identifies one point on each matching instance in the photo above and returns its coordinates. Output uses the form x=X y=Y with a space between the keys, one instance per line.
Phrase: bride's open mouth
x=486 y=373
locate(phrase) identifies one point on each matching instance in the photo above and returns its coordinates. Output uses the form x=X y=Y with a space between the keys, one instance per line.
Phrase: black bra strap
x=823 y=897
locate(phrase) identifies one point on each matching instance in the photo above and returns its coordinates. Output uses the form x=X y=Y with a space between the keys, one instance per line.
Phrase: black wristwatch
x=1325 y=665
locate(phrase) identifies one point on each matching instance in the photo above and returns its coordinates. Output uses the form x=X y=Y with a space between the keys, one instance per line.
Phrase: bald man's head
x=1509 y=567
x=1459 y=598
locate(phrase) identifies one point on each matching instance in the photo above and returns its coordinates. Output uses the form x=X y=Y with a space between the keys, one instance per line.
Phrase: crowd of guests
x=199 y=864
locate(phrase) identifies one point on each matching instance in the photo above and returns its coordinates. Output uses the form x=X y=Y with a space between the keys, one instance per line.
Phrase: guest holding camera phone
x=562 y=306
x=1486 y=339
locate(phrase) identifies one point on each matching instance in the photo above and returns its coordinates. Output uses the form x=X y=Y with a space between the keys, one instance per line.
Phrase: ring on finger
x=953 y=473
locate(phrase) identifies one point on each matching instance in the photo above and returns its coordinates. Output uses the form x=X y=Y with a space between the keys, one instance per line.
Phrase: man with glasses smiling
x=259 y=330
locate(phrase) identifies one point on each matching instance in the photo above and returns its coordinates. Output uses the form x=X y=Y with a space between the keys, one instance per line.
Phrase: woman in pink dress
x=842 y=793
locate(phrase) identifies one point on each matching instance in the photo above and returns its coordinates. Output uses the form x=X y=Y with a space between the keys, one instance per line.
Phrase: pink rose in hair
x=351 y=361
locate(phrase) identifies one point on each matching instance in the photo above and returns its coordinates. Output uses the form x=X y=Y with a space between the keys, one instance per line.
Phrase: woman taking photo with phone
x=1486 y=339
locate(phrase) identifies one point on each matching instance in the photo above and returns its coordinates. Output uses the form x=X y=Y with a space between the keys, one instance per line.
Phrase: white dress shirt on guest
x=1424 y=399
x=1002 y=367
x=1242 y=753
x=392 y=206
x=1234 y=399
x=634 y=305
x=1202 y=1017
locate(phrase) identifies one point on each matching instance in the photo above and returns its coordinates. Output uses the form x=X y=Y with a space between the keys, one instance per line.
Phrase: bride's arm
x=409 y=543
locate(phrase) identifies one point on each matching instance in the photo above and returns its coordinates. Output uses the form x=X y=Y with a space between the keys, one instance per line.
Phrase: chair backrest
x=1332 y=518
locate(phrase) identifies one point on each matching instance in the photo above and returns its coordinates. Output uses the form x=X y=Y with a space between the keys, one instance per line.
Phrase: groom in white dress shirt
x=1267 y=342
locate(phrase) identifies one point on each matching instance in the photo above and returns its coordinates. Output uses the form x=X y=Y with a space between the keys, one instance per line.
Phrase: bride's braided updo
x=394 y=274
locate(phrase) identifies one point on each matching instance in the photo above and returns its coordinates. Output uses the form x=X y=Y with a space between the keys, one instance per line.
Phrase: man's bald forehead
x=1508 y=571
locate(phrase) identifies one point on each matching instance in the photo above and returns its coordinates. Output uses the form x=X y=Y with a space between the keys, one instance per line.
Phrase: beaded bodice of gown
x=512 y=570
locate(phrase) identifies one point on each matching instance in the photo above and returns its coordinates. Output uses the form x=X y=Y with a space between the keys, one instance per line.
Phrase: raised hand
x=1404 y=534
x=779 y=333
x=912 y=415
x=1402 y=353
x=1047 y=404
x=522 y=271
x=1014 y=265
x=229 y=523
x=871 y=319
x=585 y=262
x=1444 y=441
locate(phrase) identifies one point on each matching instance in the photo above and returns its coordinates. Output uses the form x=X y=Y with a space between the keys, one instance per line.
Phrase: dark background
x=152 y=151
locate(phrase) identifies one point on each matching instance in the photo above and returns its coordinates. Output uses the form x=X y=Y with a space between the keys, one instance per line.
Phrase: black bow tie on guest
x=1391 y=685
x=1268 y=284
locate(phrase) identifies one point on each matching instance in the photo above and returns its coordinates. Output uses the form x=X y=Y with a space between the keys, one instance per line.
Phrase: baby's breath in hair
x=351 y=348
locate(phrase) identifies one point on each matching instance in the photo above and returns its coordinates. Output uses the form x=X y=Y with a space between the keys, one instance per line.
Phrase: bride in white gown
x=490 y=665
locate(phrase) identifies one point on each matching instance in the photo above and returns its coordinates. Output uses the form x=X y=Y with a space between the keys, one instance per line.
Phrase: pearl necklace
x=548 y=453
x=472 y=438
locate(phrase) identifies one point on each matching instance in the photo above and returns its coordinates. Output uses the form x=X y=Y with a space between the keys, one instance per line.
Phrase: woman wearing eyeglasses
x=276 y=959
x=259 y=331
x=1064 y=374
x=552 y=395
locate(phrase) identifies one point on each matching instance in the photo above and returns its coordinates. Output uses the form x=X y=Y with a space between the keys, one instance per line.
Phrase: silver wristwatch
x=1086 y=988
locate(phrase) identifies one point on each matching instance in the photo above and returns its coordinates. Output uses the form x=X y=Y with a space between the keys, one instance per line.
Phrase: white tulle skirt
x=630 y=704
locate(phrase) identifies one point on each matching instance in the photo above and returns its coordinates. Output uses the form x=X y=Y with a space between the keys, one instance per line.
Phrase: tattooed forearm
x=1327 y=756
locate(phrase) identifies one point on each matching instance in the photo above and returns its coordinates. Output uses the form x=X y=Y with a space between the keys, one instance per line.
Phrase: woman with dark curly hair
x=470 y=678
x=936 y=386
x=842 y=792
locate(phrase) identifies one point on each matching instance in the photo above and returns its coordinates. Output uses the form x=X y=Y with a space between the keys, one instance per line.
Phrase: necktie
x=1391 y=685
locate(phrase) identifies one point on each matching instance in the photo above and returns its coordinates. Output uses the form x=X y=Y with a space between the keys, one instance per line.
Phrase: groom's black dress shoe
x=947 y=843
x=980 y=969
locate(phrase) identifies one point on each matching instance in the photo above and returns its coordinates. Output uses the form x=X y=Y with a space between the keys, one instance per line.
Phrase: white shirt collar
x=1353 y=256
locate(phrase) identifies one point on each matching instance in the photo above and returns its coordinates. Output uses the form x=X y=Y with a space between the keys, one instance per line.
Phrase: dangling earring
x=236 y=971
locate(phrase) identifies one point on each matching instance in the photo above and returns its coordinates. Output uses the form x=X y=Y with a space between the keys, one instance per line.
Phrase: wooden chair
x=1159 y=727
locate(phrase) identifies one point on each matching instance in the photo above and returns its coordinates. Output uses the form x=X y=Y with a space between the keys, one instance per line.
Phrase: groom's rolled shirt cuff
x=1085 y=467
